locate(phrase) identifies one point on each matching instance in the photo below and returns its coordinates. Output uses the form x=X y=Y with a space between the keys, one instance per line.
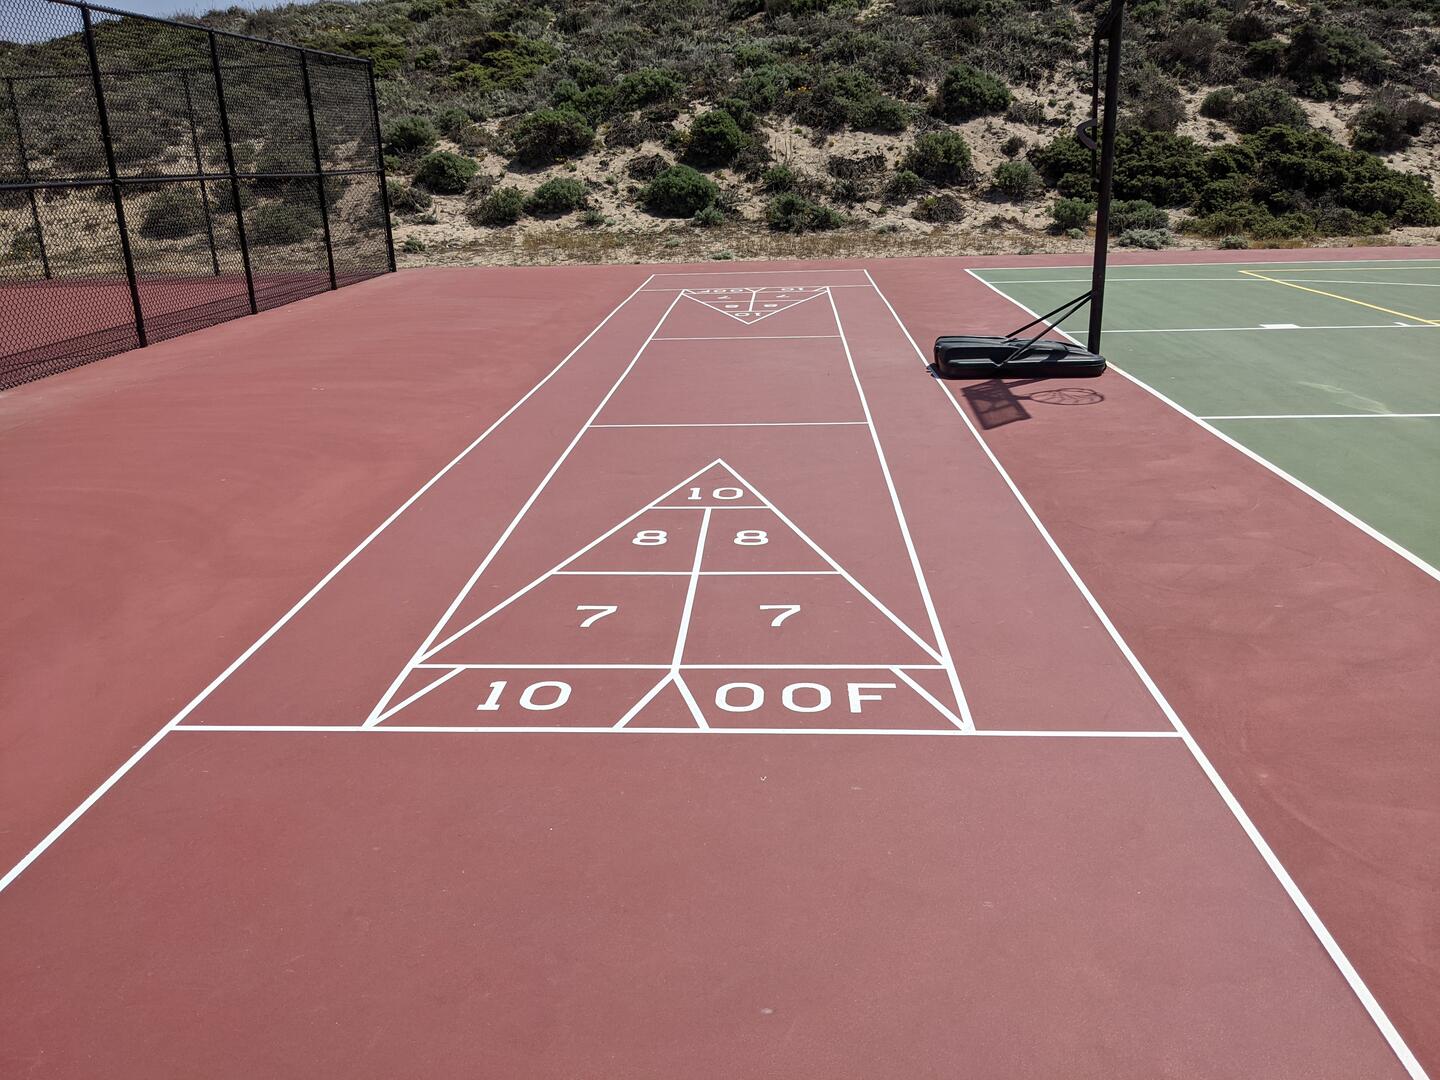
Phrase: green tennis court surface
x=1330 y=371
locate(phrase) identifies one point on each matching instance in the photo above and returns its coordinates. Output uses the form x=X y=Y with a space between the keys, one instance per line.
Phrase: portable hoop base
x=965 y=356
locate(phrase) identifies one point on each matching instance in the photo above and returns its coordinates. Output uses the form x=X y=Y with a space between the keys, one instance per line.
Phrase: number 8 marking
x=751 y=537
x=650 y=537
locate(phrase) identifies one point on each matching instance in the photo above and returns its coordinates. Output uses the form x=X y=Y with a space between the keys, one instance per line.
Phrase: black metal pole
x=319 y=167
x=1113 y=27
x=25 y=176
x=380 y=164
x=230 y=167
x=109 y=145
x=200 y=168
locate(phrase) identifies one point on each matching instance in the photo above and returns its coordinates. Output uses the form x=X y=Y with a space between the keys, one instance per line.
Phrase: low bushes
x=966 y=93
x=445 y=173
x=1266 y=106
x=171 y=214
x=555 y=197
x=409 y=135
x=715 y=138
x=550 y=135
x=793 y=213
x=1128 y=215
x=1068 y=214
x=501 y=207
x=941 y=157
x=406 y=198
x=274 y=224
x=1017 y=180
x=679 y=192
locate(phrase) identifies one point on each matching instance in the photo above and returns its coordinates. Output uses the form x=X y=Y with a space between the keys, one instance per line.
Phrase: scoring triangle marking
x=750 y=305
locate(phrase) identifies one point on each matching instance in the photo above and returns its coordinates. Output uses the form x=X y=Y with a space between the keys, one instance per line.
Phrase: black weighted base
x=971 y=357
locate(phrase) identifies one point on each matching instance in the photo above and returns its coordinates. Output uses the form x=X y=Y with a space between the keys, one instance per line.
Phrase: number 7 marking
x=786 y=610
x=601 y=610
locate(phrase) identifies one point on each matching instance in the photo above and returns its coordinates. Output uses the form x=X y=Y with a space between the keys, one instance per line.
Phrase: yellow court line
x=1337 y=296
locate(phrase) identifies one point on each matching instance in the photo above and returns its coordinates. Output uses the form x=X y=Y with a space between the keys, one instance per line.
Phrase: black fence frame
x=23 y=365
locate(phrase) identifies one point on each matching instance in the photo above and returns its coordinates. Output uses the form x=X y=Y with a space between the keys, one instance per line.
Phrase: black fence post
x=200 y=169
x=25 y=176
x=319 y=167
x=380 y=165
x=1113 y=27
x=230 y=167
x=119 y=199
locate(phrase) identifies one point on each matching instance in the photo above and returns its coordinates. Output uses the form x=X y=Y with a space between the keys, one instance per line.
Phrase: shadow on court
x=995 y=403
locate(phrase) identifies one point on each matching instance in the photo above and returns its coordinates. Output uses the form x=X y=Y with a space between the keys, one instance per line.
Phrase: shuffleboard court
x=731 y=701
x=1324 y=368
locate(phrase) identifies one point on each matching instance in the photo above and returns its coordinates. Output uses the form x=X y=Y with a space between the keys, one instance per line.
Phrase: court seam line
x=105 y=785
x=504 y=537
x=945 y=657
x=1258 y=276
x=947 y=732
x=1357 y=985
x=1329 y=504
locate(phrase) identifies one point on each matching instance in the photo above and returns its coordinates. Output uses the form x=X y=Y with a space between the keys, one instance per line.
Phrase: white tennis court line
x=750 y=337
x=1332 y=947
x=1273 y=328
x=1365 y=527
x=110 y=781
x=1279 y=264
x=951 y=732
x=1331 y=416
x=944 y=656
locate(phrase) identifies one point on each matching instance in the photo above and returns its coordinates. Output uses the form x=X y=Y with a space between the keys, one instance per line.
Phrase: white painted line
x=644 y=700
x=1322 y=933
x=751 y=270
x=617 y=573
x=694 y=706
x=422 y=692
x=1277 y=264
x=861 y=589
x=542 y=667
x=762 y=337
x=771 y=423
x=682 y=667
x=425 y=647
x=1272 y=328
x=392 y=729
x=1386 y=282
x=1331 y=416
x=933 y=701
x=689 y=607
x=944 y=649
x=60 y=829
x=714 y=506
x=1368 y=529
x=684 y=289
x=1279 y=325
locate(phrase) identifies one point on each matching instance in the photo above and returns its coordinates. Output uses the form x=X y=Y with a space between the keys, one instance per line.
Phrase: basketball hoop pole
x=1109 y=29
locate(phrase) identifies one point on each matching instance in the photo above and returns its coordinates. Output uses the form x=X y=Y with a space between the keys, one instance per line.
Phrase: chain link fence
x=157 y=177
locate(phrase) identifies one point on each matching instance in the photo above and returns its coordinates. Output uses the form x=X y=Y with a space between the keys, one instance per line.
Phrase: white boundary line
x=1332 y=416
x=946 y=732
x=70 y=819
x=682 y=667
x=1366 y=528
x=381 y=705
x=761 y=337
x=743 y=272
x=759 y=423
x=1269 y=329
x=935 y=628
x=1285 y=264
x=1331 y=946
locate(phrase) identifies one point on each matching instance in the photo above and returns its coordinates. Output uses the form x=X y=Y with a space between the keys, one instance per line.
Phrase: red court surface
x=725 y=705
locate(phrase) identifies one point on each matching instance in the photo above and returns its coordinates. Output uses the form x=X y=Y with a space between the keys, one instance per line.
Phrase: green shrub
x=645 y=167
x=413 y=244
x=1017 y=180
x=1218 y=104
x=904 y=186
x=276 y=223
x=451 y=121
x=406 y=198
x=1012 y=146
x=646 y=87
x=409 y=135
x=966 y=93
x=445 y=173
x=1389 y=124
x=941 y=157
x=595 y=103
x=793 y=213
x=1152 y=239
x=1321 y=54
x=501 y=207
x=1267 y=106
x=172 y=214
x=1071 y=214
x=550 y=135
x=1247 y=28
x=876 y=112
x=1234 y=242
x=1190 y=46
x=679 y=192
x=780 y=178
x=942 y=208
x=708 y=217
x=1155 y=102
x=714 y=139
x=1127 y=215
x=556 y=196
